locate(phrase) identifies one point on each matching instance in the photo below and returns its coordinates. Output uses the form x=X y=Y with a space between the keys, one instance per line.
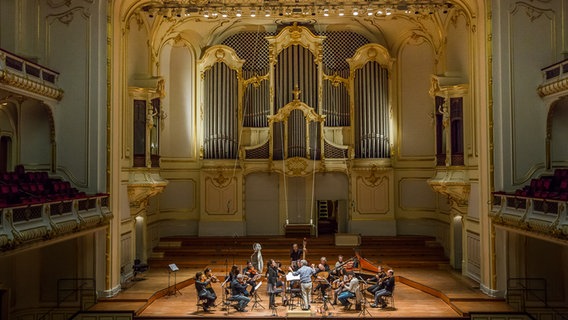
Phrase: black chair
x=139 y=267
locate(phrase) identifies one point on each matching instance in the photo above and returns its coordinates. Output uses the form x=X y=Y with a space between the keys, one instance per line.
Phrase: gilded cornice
x=336 y=80
x=224 y=54
x=296 y=35
x=370 y=52
x=447 y=86
x=256 y=80
x=309 y=113
x=555 y=87
x=22 y=83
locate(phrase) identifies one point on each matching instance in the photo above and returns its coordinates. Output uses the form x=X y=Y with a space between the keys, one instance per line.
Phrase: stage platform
x=426 y=287
x=419 y=293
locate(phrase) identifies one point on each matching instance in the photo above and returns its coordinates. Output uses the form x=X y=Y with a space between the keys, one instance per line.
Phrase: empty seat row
x=547 y=187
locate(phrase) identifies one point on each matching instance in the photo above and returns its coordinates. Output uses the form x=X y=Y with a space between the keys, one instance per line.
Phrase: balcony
x=24 y=225
x=24 y=76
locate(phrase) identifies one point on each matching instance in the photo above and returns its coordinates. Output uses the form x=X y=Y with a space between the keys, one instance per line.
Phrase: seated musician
x=322 y=278
x=351 y=288
x=338 y=266
x=201 y=283
x=251 y=275
x=338 y=285
x=240 y=293
x=323 y=261
x=209 y=276
x=295 y=256
x=379 y=277
x=387 y=290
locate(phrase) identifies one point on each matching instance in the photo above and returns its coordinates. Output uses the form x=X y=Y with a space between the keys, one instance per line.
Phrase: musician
x=295 y=256
x=351 y=288
x=338 y=266
x=387 y=290
x=240 y=293
x=251 y=275
x=323 y=261
x=233 y=273
x=209 y=276
x=305 y=272
x=272 y=279
x=201 y=283
x=339 y=285
x=380 y=277
x=229 y=279
x=280 y=284
x=323 y=277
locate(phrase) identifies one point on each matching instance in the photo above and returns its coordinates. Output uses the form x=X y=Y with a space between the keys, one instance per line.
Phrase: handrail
x=72 y=292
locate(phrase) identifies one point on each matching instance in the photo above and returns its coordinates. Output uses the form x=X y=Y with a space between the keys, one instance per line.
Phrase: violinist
x=201 y=283
x=240 y=293
x=338 y=284
x=385 y=291
x=380 y=277
x=272 y=280
x=207 y=275
x=351 y=288
x=251 y=275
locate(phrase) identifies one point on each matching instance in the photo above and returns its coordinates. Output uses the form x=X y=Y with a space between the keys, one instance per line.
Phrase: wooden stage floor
x=420 y=293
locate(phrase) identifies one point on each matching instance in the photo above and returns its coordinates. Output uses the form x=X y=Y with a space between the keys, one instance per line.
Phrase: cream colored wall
x=531 y=39
x=531 y=36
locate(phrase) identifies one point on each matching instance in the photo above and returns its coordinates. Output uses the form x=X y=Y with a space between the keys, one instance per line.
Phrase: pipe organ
x=332 y=80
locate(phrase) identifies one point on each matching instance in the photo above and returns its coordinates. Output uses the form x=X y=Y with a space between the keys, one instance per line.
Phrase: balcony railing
x=546 y=216
x=25 y=224
x=24 y=74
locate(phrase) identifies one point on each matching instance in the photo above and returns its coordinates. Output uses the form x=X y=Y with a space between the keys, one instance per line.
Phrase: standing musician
x=207 y=275
x=385 y=291
x=305 y=272
x=295 y=256
x=201 y=283
x=272 y=279
x=240 y=293
x=380 y=276
x=351 y=288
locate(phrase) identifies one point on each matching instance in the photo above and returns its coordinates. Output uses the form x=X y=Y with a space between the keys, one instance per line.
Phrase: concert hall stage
x=432 y=293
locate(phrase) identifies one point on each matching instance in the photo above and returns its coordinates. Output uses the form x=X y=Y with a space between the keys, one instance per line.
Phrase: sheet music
x=291 y=277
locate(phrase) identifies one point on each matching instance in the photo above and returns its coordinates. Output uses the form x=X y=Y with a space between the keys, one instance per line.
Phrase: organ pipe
x=372 y=112
x=220 y=112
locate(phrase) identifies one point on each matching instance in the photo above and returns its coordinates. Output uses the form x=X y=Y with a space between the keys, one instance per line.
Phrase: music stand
x=323 y=295
x=364 y=302
x=256 y=297
x=173 y=268
x=290 y=279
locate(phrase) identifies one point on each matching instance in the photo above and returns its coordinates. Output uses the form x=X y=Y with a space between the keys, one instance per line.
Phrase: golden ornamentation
x=255 y=80
x=220 y=181
x=374 y=179
x=296 y=166
x=20 y=82
x=336 y=80
x=370 y=52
